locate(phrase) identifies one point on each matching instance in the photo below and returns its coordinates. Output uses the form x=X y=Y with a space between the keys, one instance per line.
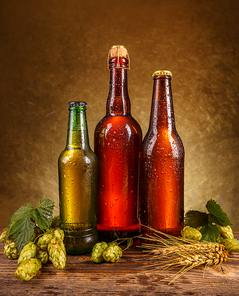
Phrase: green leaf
x=24 y=211
x=209 y=232
x=10 y=228
x=216 y=214
x=22 y=232
x=22 y=221
x=42 y=215
x=196 y=219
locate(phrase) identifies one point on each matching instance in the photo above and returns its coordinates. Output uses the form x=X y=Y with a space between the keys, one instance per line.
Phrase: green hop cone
x=113 y=244
x=50 y=230
x=44 y=240
x=59 y=233
x=230 y=244
x=97 y=252
x=28 y=269
x=29 y=251
x=43 y=256
x=56 y=222
x=57 y=253
x=3 y=235
x=10 y=249
x=226 y=231
x=191 y=233
x=112 y=254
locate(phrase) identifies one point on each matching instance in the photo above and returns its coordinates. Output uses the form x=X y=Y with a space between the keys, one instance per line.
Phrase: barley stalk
x=175 y=252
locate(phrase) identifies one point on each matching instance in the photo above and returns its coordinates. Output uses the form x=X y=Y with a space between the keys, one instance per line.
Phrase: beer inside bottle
x=162 y=164
x=117 y=144
x=78 y=169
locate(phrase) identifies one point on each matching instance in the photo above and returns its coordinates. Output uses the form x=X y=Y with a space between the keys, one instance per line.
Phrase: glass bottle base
x=109 y=235
x=78 y=241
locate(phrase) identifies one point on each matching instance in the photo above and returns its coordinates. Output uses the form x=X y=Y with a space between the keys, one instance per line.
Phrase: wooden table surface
x=127 y=277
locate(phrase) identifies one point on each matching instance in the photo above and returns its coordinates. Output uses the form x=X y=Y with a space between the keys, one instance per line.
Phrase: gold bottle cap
x=162 y=73
x=119 y=51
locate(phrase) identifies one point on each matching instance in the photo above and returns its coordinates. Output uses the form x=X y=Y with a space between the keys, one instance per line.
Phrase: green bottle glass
x=78 y=173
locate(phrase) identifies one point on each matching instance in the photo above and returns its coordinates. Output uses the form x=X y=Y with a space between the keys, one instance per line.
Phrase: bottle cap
x=77 y=103
x=162 y=73
x=119 y=52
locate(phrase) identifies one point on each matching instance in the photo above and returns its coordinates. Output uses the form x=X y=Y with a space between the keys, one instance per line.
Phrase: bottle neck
x=77 y=136
x=118 y=102
x=162 y=113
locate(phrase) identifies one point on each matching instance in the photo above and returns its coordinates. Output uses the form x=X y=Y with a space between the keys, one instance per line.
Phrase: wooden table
x=83 y=277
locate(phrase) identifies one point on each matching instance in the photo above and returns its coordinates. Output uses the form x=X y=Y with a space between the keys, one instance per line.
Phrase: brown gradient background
x=55 y=51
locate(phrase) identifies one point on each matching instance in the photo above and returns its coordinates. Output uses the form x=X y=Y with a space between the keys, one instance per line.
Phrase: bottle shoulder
x=80 y=154
x=158 y=134
x=117 y=123
x=162 y=142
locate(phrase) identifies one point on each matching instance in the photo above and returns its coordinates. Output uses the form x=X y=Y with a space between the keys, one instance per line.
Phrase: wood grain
x=127 y=277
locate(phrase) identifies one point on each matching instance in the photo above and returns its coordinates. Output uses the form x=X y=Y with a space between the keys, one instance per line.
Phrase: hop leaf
x=22 y=232
x=209 y=233
x=216 y=214
x=24 y=212
x=195 y=218
x=23 y=221
x=43 y=213
x=208 y=221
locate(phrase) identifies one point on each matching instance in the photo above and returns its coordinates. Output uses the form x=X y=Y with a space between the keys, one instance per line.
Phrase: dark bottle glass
x=78 y=168
x=162 y=164
x=117 y=144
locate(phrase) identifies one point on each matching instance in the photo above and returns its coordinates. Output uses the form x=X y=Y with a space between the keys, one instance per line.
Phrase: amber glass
x=162 y=164
x=117 y=144
x=78 y=168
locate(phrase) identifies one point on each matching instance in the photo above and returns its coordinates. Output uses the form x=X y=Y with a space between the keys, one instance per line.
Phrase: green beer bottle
x=78 y=169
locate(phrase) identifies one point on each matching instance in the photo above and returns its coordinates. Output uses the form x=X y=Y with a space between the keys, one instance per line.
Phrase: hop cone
x=3 y=235
x=226 y=231
x=112 y=254
x=28 y=252
x=57 y=253
x=56 y=222
x=28 y=269
x=113 y=244
x=43 y=256
x=97 y=252
x=191 y=233
x=44 y=240
x=59 y=233
x=231 y=245
x=10 y=249
x=50 y=230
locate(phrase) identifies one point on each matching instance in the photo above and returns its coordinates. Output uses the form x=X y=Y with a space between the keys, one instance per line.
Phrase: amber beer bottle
x=162 y=164
x=118 y=139
x=78 y=168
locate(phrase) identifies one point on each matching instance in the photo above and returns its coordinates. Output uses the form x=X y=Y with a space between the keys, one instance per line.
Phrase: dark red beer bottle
x=117 y=143
x=162 y=164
